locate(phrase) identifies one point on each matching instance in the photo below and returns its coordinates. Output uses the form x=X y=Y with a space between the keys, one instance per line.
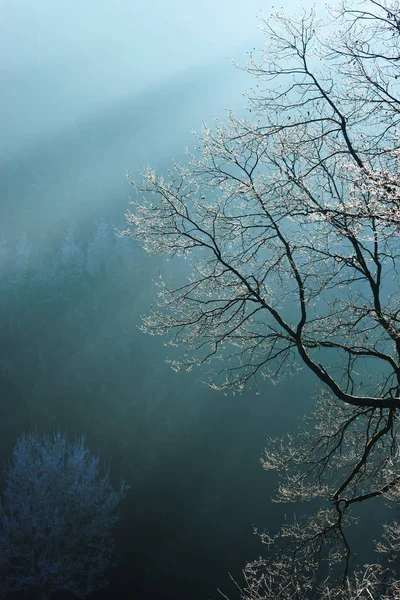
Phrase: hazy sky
x=63 y=59
x=93 y=88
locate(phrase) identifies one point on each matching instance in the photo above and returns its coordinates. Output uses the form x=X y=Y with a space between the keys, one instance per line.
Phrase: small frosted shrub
x=56 y=517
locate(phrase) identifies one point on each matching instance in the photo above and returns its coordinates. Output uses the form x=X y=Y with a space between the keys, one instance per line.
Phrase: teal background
x=90 y=90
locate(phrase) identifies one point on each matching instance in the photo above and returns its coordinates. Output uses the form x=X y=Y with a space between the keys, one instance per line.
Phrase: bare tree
x=56 y=518
x=290 y=221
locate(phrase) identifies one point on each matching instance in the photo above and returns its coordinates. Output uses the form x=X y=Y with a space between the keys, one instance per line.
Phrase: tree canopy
x=290 y=221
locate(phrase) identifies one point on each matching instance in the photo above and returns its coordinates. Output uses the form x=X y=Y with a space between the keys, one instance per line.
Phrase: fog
x=89 y=91
x=65 y=62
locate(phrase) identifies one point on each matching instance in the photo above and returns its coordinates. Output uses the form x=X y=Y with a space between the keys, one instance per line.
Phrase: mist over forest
x=72 y=291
